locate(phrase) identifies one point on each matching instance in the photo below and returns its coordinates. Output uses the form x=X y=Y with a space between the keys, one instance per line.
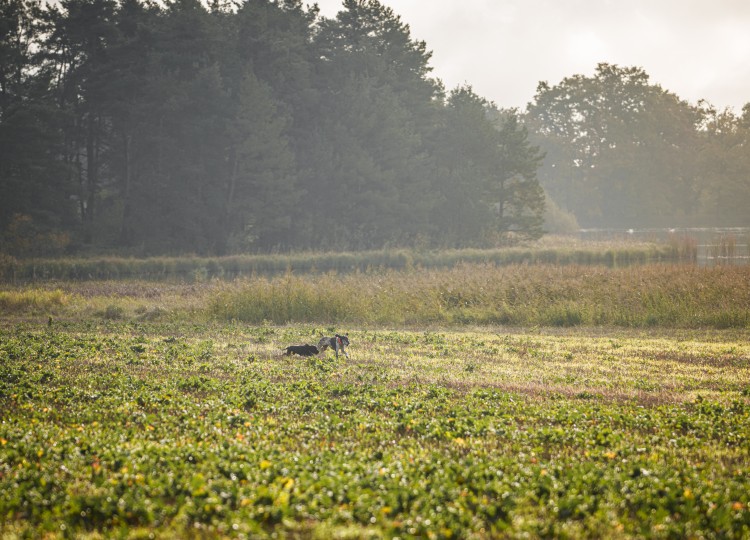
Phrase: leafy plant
x=420 y=433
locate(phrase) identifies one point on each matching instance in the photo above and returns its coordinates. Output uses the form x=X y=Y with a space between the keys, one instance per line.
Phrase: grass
x=33 y=300
x=548 y=251
x=203 y=430
x=520 y=295
x=672 y=296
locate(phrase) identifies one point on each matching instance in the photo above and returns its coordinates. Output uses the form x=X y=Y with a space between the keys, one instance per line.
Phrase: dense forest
x=144 y=128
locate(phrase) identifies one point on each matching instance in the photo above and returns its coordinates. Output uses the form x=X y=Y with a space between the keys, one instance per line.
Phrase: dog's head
x=344 y=340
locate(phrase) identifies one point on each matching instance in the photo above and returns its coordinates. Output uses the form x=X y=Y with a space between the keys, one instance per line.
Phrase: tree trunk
x=126 y=234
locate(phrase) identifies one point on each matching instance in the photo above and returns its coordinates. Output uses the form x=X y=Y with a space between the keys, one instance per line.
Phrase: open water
x=714 y=245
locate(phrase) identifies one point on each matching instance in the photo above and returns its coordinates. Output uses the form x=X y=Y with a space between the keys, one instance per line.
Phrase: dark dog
x=337 y=343
x=302 y=350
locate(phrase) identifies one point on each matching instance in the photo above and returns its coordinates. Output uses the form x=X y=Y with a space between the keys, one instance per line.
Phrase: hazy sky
x=697 y=49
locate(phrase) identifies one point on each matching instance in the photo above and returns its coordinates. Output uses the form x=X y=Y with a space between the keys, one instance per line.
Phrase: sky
x=697 y=49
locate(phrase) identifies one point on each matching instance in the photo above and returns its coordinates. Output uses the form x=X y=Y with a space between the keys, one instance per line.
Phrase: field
x=134 y=409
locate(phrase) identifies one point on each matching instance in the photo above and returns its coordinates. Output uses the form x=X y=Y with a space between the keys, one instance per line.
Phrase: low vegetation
x=479 y=401
x=661 y=295
x=674 y=296
x=130 y=429
x=199 y=269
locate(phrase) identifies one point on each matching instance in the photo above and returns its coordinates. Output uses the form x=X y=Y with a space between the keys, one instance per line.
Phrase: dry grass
x=669 y=296
x=519 y=295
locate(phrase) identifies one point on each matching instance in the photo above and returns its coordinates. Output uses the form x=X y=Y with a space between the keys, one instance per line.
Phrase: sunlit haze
x=697 y=49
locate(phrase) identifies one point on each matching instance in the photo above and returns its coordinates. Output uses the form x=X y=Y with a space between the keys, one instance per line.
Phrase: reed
x=518 y=295
x=191 y=268
x=684 y=247
x=724 y=250
x=523 y=295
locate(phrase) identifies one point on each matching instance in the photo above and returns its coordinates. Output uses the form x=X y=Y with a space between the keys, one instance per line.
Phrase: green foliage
x=152 y=129
x=626 y=158
x=419 y=434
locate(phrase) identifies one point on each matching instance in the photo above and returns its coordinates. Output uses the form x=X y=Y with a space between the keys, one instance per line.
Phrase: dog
x=302 y=350
x=336 y=342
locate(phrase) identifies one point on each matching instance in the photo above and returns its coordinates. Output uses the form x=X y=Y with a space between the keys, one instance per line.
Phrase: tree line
x=623 y=152
x=148 y=128
x=211 y=129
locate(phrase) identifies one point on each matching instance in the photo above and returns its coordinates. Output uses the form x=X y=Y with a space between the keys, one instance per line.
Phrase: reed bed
x=190 y=268
x=518 y=295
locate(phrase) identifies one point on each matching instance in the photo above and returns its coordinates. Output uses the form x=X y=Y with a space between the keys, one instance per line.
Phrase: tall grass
x=32 y=301
x=201 y=268
x=523 y=295
x=724 y=249
x=684 y=248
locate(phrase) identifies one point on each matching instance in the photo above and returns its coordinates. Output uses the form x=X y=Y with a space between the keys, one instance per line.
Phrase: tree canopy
x=623 y=152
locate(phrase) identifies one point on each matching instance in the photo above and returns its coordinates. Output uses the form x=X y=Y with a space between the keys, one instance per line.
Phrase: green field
x=141 y=409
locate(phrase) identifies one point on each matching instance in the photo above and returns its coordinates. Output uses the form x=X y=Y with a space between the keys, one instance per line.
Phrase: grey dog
x=335 y=342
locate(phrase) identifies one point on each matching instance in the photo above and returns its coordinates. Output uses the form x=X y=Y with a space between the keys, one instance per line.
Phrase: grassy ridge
x=185 y=430
x=201 y=268
x=659 y=295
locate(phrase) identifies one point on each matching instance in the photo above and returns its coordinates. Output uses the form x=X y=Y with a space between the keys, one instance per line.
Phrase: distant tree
x=465 y=151
x=34 y=192
x=373 y=188
x=619 y=149
x=131 y=111
x=723 y=165
x=184 y=137
x=77 y=34
x=514 y=188
x=261 y=193
x=487 y=172
x=274 y=59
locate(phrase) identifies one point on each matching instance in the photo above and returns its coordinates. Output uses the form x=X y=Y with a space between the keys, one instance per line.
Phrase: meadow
x=466 y=409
